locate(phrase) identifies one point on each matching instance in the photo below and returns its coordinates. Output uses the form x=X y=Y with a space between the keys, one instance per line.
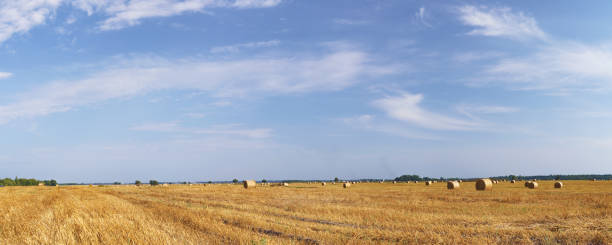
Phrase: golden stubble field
x=366 y=213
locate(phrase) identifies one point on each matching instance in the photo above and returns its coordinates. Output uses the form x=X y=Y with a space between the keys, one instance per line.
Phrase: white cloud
x=501 y=22
x=129 y=13
x=467 y=57
x=472 y=110
x=19 y=16
x=254 y=3
x=195 y=115
x=342 y=21
x=406 y=107
x=237 y=47
x=233 y=78
x=369 y=122
x=558 y=66
x=421 y=15
x=4 y=75
x=224 y=130
x=487 y=109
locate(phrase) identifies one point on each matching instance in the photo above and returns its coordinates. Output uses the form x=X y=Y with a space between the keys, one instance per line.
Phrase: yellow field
x=366 y=213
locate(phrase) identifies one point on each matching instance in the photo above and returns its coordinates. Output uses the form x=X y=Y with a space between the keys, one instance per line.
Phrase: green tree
x=116 y=183
x=153 y=182
x=137 y=182
x=235 y=181
x=336 y=179
x=264 y=181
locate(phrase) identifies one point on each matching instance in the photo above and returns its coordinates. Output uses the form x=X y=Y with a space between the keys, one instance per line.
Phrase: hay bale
x=164 y=184
x=594 y=179
x=416 y=182
x=460 y=181
x=558 y=184
x=285 y=184
x=533 y=185
x=323 y=184
x=249 y=184
x=452 y=185
x=512 y=181
x=428 y=182
x=394 y=182
x=484 y=185
x=346 y=185
x=527 y=183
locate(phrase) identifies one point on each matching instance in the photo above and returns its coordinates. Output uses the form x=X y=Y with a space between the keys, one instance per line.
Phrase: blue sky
x=284 y=89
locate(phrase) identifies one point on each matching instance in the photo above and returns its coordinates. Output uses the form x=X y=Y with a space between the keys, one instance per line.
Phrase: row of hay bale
x=481 y=184
x=252 y=184
x=487 y=184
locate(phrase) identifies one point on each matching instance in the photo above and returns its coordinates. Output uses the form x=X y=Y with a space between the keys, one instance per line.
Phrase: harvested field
x=580 y=212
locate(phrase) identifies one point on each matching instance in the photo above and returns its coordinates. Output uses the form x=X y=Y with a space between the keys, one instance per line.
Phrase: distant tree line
x=25 y=182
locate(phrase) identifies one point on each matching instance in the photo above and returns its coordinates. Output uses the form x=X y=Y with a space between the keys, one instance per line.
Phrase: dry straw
x=484 y=185
x=249 y=184
x=452 y=185
x=346 y=185
x=558 y=184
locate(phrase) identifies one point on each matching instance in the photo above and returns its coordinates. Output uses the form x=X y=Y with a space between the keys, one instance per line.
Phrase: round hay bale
x=512 y=181
x=460 y=181
x=594 y=179
x=527 y=183
x=428 y=183
x=394 y=182
x=416 y=182
x=484 y=185
x=164 y=184
x=533 y=185
x=452 y=185
x=346 y=185
x=285 y=184
x=323 y=184
x=249 y=184
x=558 y=184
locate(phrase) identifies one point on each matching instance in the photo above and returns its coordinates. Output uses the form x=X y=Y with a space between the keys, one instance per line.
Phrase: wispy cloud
x=4 y=75
x=129 y=13
x=421 y=15
x=226 y=130
x=467 y=57
x=472 y=111
x=19 y=16
x=500 y=22
x=369 y=122
x=406 y=107
x=560 y=66
x=342 y=21
x=237 y=47
x=234 y=78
